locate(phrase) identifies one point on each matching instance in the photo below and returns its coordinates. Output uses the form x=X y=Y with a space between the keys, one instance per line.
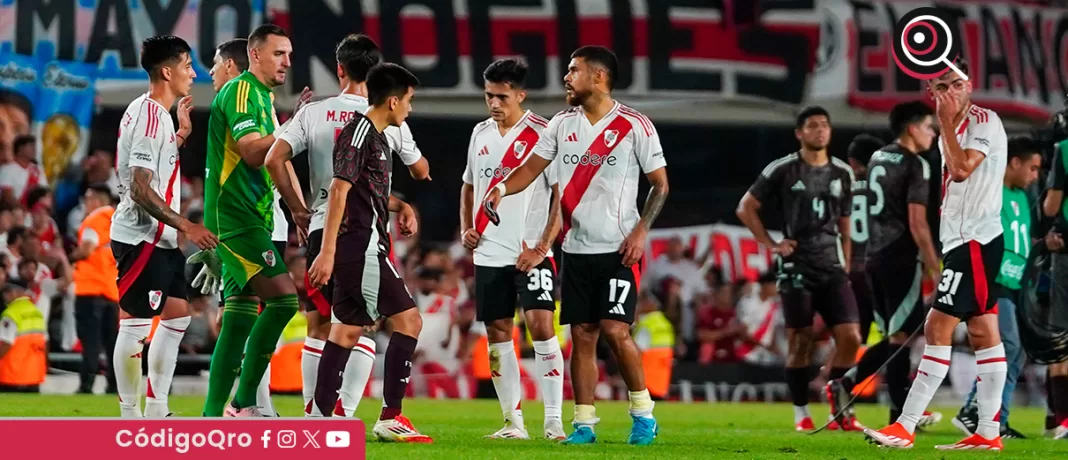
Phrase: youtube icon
x=337 y=439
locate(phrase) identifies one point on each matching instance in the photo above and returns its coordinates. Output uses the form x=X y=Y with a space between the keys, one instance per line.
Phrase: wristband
x=179 y=136
x=500 y=188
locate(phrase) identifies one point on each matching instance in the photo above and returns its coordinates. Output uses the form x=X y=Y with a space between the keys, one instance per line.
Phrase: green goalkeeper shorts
x=246 y=255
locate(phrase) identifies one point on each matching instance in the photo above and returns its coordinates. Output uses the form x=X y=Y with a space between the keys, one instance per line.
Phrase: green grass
x=751 y=431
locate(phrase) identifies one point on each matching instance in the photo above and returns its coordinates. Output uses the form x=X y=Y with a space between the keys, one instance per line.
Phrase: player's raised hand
x=185 y=122
x=784 y=248
x=407 y=222
x=634 y=246
x=529 y=258
x=305 y=96
x=321 y=270
x=489 y=205
x=201 y=236
x=471 y=238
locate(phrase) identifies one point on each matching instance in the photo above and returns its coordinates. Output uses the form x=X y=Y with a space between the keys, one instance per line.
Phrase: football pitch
x=752 y=431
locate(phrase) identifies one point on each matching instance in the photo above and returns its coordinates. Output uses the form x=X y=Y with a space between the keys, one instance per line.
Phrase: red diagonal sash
x=512 y=160
x=584 y=172
x=762 y=330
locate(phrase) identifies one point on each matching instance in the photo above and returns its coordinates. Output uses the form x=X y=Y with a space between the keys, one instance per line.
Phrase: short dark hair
x=258 y=36
x=387 y=80
x=357 y=54
x=863 y=146
x=160 y=51
x=907 y=113
x=17 y=99
x=809 y=112
x=36 y=195
x=102 y=191
x=511 y=71
x=1023 y=147
x=26 y=261
x=15 y=234
x=22 y=140
x=602 y=56
x=236 y=49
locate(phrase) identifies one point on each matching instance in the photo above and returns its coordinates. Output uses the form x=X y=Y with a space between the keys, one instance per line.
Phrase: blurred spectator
x=717 y=327
x=655 y=337
x=96 y=305
x=202 y=331
x=23 y=362
x=39 y=202
x=673 y=263
x=760 y=312
x=23 y=174
x=7 y=220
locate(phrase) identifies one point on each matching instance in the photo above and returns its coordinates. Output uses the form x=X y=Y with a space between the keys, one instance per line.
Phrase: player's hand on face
x=1054 y=241
x=407 y=222
x=185 y=106
x=305 y=95
x=201 y=236
x=784 y=248
x=529 y=258
x=634 y=246
x=321 y=270
x=947 y=107
x=489 y=205
x=471 y=238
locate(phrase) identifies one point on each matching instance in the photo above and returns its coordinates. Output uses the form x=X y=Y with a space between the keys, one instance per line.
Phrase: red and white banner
x=733 y=248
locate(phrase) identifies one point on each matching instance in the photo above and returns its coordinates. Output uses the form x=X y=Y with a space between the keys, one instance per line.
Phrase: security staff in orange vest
x=96 y=309
x=23 y=355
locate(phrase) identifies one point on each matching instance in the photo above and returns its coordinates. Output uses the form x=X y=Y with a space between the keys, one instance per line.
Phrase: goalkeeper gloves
x=209 y=280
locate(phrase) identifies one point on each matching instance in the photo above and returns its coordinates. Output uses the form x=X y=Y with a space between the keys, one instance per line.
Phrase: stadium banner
x=733 y=248
x=64 y=99
x=109 y=33
x=1017 y=54
x=332 y=438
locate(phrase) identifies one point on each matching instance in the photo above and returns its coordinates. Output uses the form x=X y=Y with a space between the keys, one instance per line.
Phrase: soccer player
x=599 y=146
x=314 y=128
x=813 y=192
x=901 y=253
x=367 y=286
x=858 y=154
x=1025 y=160
x=145 y=226
x=514 y=259
x=974 y=154
x=1055 y=206
x=239 y=207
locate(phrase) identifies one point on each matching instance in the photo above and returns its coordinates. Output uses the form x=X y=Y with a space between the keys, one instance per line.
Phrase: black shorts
x=368 y=289
x=496 y=289
x=833 y=299
x=322 y=305
x=896 y=276
x=597 y=287
x=967 y=288
x=148 y=275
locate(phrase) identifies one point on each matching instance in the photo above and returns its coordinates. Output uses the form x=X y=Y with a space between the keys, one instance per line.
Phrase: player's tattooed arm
x=142 y=193
x=658 y=193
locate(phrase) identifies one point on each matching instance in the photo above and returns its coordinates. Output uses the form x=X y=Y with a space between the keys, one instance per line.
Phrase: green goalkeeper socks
x=261 y=345
x=239 y=316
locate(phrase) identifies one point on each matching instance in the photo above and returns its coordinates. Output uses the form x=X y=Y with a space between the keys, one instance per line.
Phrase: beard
x=814 y=145
x=577 y=98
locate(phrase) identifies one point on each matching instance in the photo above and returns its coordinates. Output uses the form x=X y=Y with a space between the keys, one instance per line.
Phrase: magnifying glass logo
x=923 y=44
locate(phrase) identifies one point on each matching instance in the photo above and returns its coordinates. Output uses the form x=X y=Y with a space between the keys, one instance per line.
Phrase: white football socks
x=162 y=359
x=549 y=364
x=357 y=372
x=933 y=369
x=309 y=369
x=993 y=370
x=129 y=347
x=504 y=369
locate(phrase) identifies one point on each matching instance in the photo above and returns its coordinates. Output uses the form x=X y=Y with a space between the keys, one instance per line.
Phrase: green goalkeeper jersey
x=1016 y=220
x=237 y=197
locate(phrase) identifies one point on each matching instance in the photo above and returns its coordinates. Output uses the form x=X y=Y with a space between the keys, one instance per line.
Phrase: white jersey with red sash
x=491 y=156
x=971 y=209
x=597 y=168
x=764 y=322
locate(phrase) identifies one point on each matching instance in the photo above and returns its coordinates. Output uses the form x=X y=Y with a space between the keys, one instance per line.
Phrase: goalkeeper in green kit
x=238 y=206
